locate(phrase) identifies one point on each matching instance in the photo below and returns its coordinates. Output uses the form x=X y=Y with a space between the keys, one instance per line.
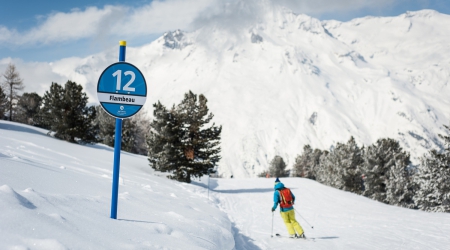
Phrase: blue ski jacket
x=276 y=198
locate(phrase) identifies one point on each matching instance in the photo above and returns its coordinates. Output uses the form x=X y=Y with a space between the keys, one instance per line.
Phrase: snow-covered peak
x=421 y=13
x=276 y=80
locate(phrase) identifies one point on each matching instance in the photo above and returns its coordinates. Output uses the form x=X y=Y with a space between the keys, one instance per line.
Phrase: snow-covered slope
x=331 y=218
x=56 y=195
x=286 y=80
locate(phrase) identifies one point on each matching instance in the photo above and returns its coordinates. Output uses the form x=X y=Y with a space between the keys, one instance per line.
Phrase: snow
x=285 y=80
x=56 y=195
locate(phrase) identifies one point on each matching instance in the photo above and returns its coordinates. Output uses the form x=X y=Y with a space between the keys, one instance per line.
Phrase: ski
x=286 y=237
x=282 y=236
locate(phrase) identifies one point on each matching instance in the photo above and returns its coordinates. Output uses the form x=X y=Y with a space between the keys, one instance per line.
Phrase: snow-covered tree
x=323 y=172
x=433 y=180
x=340 y=167
x=399 y=188
x=350 y=161
x=277 y=167
x=330 y=166
x=381 y=160
x=303 y=163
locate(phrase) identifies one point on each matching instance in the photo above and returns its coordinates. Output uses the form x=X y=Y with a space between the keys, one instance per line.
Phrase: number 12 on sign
x=127 y=87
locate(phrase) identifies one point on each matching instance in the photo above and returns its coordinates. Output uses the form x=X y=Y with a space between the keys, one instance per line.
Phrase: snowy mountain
x=282 y=80
x=57 y=195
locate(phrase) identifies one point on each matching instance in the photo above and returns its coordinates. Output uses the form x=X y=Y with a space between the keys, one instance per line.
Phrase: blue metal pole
x=117 y=147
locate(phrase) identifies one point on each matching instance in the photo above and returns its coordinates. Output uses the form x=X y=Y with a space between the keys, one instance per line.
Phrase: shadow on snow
x=11 y=126
x=241 y=241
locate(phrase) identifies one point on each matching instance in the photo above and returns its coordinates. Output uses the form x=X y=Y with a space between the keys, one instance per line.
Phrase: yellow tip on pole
x=123 y=43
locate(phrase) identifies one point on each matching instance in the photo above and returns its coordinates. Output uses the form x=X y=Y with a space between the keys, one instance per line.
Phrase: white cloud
x=93 y=22
x=37 y=76
x=160 y=16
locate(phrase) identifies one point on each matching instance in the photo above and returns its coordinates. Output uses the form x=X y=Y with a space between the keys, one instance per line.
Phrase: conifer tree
x=277 y=167
x=399 y=188
x=331 y=174
x=433 y=179
x=12 y=84
x=180 y=142
x=65 y=112
x=302 y=165
x=315 y=165
x=106 y=126
x=163 y=141
x=28 y=107
x=322 y=172
x=350 y=162
x=379 y=159
x=307 y=164
x=141 y=130
x=200 y=144
x=3 y=103
x=131 y=133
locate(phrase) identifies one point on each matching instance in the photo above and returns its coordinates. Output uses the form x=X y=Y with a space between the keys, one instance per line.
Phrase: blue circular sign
x=122 y=90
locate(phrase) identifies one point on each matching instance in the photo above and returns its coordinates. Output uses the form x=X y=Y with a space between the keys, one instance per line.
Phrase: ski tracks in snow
x=341 y=220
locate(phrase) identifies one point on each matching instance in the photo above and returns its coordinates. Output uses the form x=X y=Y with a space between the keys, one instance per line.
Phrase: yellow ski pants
x=291 y=223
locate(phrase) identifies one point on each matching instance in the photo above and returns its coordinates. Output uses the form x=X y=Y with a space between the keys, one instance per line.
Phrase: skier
x=286 y=198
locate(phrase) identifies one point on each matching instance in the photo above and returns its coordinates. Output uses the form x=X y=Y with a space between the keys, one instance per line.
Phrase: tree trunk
x=188 y=177
x=10 y=104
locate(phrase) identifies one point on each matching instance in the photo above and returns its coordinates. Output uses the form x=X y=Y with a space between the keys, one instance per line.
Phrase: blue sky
x=51 y=30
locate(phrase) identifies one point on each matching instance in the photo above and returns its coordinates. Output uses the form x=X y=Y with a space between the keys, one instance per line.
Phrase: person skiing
x=286 y=198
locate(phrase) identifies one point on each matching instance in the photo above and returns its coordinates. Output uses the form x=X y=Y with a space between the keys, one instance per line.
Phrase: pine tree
x=141 y=132
x=178 y=141
x=3 y=103
x=400 y=189
x=302 y=165
x=433 y=180
x=315 y=165
x=307 y=164
x=331 y=168
x=13 y=84
x=381 y=160
x=28 y=107
x=106 y=125
x=131 y=133
x=163 y=141
x=65 y=112
x=325 y=167
x=350 y=161
x=277 y=167
x=200 y=145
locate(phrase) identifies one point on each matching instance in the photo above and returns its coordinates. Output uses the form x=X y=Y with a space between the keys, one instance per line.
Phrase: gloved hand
x=273 y=209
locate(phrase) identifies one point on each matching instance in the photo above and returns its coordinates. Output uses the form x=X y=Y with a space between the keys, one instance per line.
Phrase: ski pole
x=303 y=218
x=271 y=235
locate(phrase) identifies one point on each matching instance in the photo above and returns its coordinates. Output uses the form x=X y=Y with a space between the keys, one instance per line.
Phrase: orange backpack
x=286 y=198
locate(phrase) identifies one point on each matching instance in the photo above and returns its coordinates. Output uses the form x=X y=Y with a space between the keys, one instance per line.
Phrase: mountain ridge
x=289 y=79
